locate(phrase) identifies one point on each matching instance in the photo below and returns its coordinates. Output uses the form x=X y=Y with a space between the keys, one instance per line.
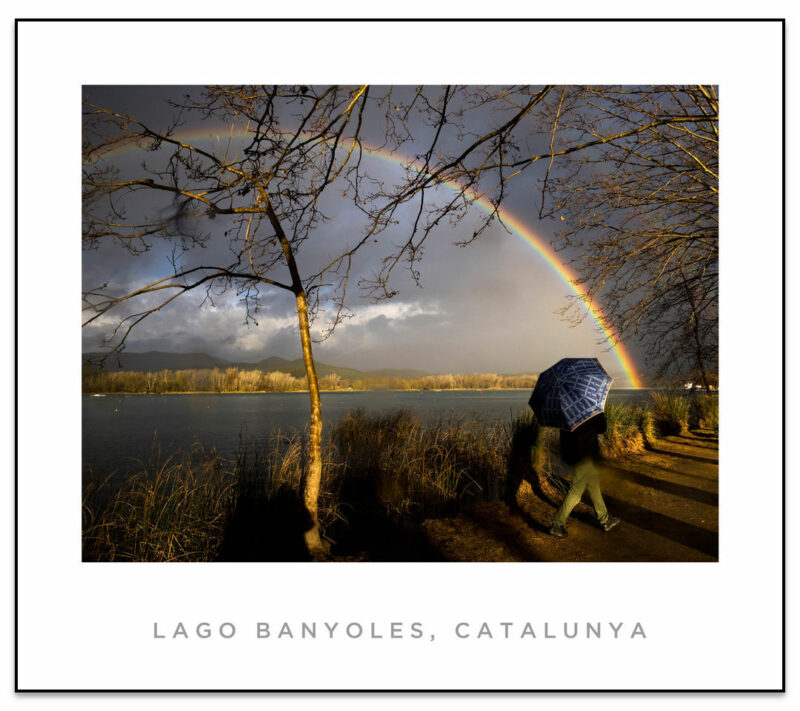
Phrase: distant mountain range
x=160 y=360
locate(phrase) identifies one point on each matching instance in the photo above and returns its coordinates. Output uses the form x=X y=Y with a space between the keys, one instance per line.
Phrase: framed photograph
x=419 y=375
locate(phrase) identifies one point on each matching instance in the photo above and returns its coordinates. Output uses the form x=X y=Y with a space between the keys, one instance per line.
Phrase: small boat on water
x=98 y=394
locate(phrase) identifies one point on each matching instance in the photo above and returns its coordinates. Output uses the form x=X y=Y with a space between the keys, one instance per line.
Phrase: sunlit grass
x=670 y=414
x=171 y=510
x=704 y=412
x=647 y=426
x=624 y=431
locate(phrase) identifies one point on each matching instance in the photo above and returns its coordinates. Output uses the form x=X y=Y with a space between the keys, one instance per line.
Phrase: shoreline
x=290 y=392
x=366 y=390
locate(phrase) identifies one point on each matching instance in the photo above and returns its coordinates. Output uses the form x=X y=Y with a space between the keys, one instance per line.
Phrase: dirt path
x=667 y=499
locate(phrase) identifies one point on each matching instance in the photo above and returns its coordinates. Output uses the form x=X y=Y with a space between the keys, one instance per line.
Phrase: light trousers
x=585 y=476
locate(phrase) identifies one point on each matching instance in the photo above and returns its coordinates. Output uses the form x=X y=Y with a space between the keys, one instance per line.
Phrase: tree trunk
x=703 y=375
x=695 y=326
x=313 y=474
x=699 y=347
x=312 y=478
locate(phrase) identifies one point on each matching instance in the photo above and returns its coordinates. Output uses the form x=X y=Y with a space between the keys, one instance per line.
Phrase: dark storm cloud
x=489 y=307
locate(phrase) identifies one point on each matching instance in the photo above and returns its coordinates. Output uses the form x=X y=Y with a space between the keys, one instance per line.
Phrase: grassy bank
x=379 y=472
x=172 y=509
x=628 y=429
x=382 y=476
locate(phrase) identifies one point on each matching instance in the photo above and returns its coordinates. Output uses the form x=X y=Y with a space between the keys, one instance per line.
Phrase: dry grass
x=704 y=412
x=624 y=433
x=647 y=426
x=410 y=468
x=266 y=471
x=177 y=509
x=670 y=414
x=171 y=510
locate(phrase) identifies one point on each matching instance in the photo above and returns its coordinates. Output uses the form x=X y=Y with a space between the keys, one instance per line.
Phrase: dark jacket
x=582 y=442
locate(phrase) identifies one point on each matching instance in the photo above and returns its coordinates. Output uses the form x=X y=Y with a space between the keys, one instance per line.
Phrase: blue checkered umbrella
x=570 y=392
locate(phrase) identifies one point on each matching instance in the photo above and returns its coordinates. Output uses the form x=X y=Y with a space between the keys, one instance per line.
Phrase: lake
x=118 y=429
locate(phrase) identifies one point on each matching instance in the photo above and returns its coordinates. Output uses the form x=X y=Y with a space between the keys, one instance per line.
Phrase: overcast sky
x=489 y=307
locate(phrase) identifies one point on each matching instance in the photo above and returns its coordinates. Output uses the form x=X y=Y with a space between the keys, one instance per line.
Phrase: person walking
x=580 y=448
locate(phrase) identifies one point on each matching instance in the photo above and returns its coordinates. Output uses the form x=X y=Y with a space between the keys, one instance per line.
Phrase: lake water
x=118 y=429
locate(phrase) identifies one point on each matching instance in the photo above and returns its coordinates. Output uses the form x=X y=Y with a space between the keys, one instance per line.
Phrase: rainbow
x=513 y=223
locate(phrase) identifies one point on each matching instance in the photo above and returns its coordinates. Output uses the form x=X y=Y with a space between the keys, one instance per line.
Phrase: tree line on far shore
x=235 y=380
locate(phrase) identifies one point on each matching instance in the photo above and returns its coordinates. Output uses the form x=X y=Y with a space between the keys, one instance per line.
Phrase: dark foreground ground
x=667 y=499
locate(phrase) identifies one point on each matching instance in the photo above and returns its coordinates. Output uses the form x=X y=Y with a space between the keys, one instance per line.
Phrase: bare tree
x=265 y=197
x=683 y=337
x=640 y=213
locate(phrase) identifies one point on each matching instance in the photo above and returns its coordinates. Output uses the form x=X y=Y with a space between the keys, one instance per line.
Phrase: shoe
x=610 y=523
x=558 y=531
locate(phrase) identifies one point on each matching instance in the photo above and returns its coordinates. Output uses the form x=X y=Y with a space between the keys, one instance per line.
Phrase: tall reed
x=411 y=468
x=670 y=413
x=704 y=412
x=623 y=431
x=171 y=510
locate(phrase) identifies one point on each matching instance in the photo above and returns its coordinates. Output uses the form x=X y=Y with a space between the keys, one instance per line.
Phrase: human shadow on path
x=687 y=534
x=668 y=487
x=711 y=479
x=681 y=455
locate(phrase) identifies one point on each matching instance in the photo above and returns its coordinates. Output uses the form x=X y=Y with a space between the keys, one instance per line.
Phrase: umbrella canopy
x=570 y=392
